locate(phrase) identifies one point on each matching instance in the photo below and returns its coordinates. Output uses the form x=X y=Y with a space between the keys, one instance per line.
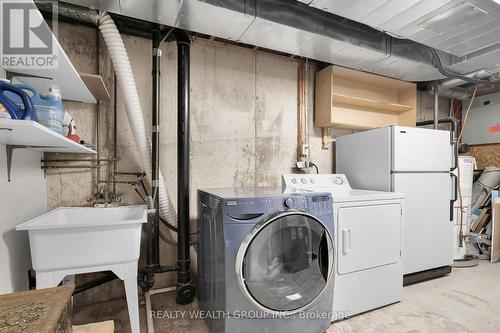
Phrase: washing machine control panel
x=314 y=182
x=315 y=202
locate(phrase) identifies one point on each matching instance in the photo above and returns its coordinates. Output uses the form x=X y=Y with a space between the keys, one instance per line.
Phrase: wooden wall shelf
x=370 y=104
x=345 y=98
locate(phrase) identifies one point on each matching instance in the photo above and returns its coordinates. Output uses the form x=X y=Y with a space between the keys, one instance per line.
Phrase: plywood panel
x=495 y=233
x=486 y=155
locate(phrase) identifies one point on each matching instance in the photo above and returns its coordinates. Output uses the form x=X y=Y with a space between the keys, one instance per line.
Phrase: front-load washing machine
x=265 y=260
x=368 y=246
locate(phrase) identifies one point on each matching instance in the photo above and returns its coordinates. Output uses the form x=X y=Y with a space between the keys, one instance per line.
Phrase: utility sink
x=71 y=237
x=73 y=240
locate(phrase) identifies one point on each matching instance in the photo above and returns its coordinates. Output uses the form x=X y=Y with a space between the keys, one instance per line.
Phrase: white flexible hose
x=127 y=86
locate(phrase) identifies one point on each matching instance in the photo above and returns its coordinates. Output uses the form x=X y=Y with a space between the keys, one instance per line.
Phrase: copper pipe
x=115 y=134
x=97 y=116
x=302 y=112
x=131 y=182
x=69 y=167
x=137 y=174
x=77 y=160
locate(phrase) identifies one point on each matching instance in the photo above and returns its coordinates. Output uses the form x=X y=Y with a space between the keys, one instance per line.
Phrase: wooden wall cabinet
x=345 y=98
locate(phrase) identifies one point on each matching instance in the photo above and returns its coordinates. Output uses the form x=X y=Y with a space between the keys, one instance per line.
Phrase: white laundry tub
x=74 y=240
x=71 y=237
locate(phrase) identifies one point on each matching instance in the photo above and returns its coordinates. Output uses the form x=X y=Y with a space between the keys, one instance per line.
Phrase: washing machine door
x=285 y=262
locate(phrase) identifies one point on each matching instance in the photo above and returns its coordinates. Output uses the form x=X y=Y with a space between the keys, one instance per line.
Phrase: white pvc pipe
x=127 y=86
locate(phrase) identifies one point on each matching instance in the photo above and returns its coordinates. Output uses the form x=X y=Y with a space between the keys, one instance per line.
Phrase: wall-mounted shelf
x=345 y=98
x=27 y=134
x=63 y=76
x=96 y=85
x=31 y=134
x=370 y=103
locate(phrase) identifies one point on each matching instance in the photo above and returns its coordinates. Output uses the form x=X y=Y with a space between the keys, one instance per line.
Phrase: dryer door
x=285 y=262
x=368 y=237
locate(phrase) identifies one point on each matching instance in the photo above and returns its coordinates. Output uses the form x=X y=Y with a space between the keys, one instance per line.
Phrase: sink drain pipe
x=153 y=246
x=133 y=108
x=185 y=289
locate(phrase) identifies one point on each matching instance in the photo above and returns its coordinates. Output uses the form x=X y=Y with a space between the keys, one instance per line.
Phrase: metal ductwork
x=456 y=93
x=467 y=30
x=290 y=27
x=449 y=84
x=342 y=32
x=451 y=88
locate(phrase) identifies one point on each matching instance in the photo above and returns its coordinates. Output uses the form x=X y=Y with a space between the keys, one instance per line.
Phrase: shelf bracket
x=10 y=153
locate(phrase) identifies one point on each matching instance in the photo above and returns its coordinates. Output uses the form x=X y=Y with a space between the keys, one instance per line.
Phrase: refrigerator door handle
x=455 y=194
x=454 y=147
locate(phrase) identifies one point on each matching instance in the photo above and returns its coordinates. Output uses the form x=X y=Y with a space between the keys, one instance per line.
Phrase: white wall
x=22 y=199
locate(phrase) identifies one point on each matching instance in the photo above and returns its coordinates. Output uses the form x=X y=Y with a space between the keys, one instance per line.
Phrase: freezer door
x=365 y=159
x=368 y=237
x=421 y=149
x=427 y=230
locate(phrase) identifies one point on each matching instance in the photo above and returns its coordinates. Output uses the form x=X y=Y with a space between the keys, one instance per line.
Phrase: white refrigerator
x=417 y=162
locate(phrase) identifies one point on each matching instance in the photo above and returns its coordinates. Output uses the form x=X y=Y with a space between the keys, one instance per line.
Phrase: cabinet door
x=368 y=237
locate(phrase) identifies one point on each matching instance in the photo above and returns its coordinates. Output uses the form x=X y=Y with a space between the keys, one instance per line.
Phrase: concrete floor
x=468 y=300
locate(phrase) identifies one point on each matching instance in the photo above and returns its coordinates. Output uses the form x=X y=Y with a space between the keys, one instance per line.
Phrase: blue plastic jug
x=22 y=108
x=49 y=108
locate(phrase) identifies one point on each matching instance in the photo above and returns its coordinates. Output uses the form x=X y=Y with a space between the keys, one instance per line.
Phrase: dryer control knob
x=289 y=203
x=338 y=180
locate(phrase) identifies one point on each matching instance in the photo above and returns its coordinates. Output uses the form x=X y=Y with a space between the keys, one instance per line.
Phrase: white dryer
x=368 y=226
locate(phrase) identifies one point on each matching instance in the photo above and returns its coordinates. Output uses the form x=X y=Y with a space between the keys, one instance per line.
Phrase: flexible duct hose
x=127 y=86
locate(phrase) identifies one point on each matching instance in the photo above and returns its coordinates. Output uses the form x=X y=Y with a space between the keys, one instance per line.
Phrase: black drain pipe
x=146 y=280
x=155 y=142
x=153 y=246
x=185 y=289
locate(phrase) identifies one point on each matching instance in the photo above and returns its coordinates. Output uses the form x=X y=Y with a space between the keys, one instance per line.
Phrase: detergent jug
x=16 y=102
x=49 y=108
